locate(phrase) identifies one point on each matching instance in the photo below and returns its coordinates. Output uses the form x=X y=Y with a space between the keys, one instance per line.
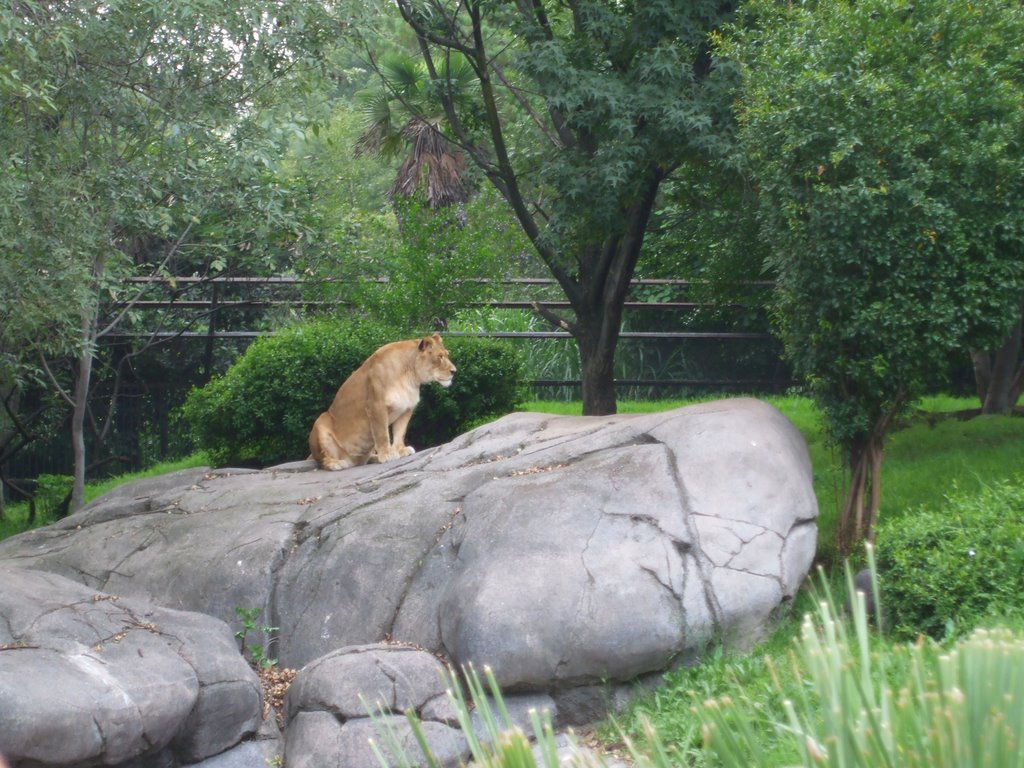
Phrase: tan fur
x=381 y=393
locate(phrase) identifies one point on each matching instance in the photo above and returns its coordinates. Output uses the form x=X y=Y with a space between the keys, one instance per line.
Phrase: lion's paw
x=406 y=450
x=333 y=465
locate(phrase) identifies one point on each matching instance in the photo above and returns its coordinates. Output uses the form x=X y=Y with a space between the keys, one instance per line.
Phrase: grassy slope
x=15 y=518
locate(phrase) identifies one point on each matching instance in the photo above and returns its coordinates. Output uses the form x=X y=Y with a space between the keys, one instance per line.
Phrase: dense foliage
x=947 y=569
x=261 y=410
x=138 y=138
x=429 y=264
x=886 y=140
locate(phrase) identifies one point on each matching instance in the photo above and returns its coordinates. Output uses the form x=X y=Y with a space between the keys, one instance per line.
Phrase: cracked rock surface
x=330 y=702
x=565 y=553
x=91 y=678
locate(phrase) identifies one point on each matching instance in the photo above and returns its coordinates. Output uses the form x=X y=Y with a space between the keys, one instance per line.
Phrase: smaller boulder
x=380 y=677
x=347 y=703
x=330 y=703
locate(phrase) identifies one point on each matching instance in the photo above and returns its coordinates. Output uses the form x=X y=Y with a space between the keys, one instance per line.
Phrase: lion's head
x=433 y=363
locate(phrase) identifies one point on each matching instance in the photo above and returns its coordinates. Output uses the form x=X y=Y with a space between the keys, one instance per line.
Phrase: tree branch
x=553 y=317
x=53 y=380
x=421 y=30
x=19 y=428
x=128 y=305
x=560 y=141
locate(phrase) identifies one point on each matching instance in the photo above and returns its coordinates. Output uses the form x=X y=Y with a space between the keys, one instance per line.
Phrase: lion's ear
x=426 y=343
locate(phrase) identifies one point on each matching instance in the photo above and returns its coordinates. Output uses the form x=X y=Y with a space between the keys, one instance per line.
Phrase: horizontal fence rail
x=471 y=334
x=289 y=280
x=184 y=298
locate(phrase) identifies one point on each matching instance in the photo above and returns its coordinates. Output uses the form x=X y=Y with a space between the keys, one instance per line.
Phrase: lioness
x=381 y=393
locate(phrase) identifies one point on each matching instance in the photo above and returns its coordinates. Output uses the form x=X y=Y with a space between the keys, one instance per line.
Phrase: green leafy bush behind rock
x=261 y=410
x=946 y=570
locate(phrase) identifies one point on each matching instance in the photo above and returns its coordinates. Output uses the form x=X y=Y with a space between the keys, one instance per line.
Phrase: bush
x=261 y=410
x=490 y=382
x=946 y=570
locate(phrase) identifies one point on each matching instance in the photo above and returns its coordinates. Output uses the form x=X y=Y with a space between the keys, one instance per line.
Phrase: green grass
x=95 y=490
x=16 y=516
x=766 y=677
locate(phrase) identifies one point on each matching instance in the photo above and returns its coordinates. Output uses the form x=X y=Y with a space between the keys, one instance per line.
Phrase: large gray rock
x=91 y=677
x=565 y=553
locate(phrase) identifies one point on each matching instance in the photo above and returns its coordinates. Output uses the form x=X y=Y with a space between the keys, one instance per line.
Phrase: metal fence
x=740 y=358
x=671 y=347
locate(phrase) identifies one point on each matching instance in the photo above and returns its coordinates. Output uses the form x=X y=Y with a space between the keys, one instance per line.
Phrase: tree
x=407 y=257
x=886 y=140
x=127 y=125
x=578 y=113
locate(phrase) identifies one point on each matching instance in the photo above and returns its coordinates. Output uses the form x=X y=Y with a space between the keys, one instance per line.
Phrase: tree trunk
x=83 y=380
x=859 y=512
x=9 y=395
x=80 y=401
x=999 y=375
x=860 y=509
x=211 y=334
x=597 y=360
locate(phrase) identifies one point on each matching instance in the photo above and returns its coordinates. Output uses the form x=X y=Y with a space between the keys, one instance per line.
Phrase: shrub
x=490 y=382
x=261 y=410
x=945 y=570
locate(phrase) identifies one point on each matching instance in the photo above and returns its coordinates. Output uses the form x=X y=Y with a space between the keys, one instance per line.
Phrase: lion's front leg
x=398 y=435
x=382 y=447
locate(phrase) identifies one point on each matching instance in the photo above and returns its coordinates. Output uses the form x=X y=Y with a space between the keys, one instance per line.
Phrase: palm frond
x=434 y=162
x=402 y=74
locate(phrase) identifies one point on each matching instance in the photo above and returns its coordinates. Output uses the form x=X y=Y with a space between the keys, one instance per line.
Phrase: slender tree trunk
x=9 y=394
x=80 y=402
x=999 y=375
x=859 y=513
x=211 y=334
x=80 y=397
